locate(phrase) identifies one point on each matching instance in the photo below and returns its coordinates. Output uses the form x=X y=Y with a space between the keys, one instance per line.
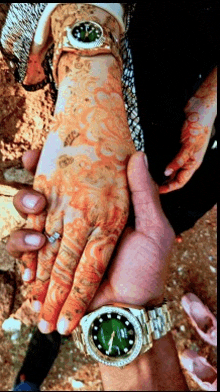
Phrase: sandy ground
x=24 y=120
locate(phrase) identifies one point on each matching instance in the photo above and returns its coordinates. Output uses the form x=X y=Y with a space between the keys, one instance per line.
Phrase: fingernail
x=36 y=305
x=146 y=161
x=168 y=172
x=30 y=201
x=44 y=326
x=32 y=239
x=27 y=274
x=63 y=326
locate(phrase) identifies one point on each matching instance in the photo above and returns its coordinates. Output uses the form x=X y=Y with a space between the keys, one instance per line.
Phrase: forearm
x=201 y=112
x=202 y=107
x=90 y=90
x=156 y=370
x=90 y=108
x=82 y=173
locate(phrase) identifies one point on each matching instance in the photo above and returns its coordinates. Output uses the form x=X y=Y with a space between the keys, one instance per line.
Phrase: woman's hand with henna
x=195 y=135
x=137 y=273
x=82 y=174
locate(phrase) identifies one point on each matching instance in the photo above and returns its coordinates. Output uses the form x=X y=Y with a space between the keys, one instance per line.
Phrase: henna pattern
x=70 y=138
x=65 y=161
x=195 y=134
x=82 y=173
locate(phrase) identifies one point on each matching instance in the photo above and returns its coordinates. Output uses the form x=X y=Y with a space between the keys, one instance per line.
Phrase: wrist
x=85 y=30
x=148 y=372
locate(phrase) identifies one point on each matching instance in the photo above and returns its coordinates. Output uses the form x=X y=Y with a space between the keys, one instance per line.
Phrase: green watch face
x=113 y=334
x=87 y=32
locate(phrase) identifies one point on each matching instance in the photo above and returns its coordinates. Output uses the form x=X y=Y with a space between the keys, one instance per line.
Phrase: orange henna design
x=85 y=184
x=200 y=115
x=70 y=138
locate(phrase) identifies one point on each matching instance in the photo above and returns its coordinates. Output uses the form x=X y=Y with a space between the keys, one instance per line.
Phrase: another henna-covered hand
x=82 y=173
x=195 y=135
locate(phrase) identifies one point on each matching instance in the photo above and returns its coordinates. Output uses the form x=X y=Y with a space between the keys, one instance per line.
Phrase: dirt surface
x=24 y=120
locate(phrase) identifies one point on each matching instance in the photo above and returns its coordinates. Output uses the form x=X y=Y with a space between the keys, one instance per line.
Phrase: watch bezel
x=84 y=45
x=86 y=324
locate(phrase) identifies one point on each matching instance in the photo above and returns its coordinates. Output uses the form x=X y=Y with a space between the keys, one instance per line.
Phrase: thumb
x=144 y=193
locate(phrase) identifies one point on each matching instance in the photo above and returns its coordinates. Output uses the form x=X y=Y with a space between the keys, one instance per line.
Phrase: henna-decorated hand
x=82 y=173
x=195 y=135
x=137 y=273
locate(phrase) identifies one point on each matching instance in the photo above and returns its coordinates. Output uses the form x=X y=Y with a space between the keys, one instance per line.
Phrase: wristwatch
x=115 y=334
x=86 y=38
x=85 y=35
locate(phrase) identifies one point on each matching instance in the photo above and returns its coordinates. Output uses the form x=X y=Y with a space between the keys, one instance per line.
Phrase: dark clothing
x=42 y=351
x=174 y=48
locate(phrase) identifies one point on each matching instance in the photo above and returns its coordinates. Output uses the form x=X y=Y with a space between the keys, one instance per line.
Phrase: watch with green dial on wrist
x=117 y=333
x=86 y=38
x=85 y=35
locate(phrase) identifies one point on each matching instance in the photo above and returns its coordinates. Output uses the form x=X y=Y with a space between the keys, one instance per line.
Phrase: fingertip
x=44 y=326
x=136 y=159
x=27 y=275
x=163 y=189
x=36 y=240
x=168 y=171
x=63 y=326
x=28 y=201
x=37 y=306
x=137 y=171
x=172 y=186
x=30 y=159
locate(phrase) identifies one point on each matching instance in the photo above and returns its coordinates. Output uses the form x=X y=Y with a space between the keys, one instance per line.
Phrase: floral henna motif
x=86 y=187
x=200 y=115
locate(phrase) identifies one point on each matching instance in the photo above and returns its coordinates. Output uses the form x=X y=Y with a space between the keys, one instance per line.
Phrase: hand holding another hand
x=137 y=273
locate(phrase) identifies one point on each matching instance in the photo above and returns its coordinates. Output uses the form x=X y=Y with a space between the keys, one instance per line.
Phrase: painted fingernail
x=44 y=326
x=168 y=172
x=37 y=305
x=27 y=274
x=30 y=201
x=63 y=326
x=32 y=239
